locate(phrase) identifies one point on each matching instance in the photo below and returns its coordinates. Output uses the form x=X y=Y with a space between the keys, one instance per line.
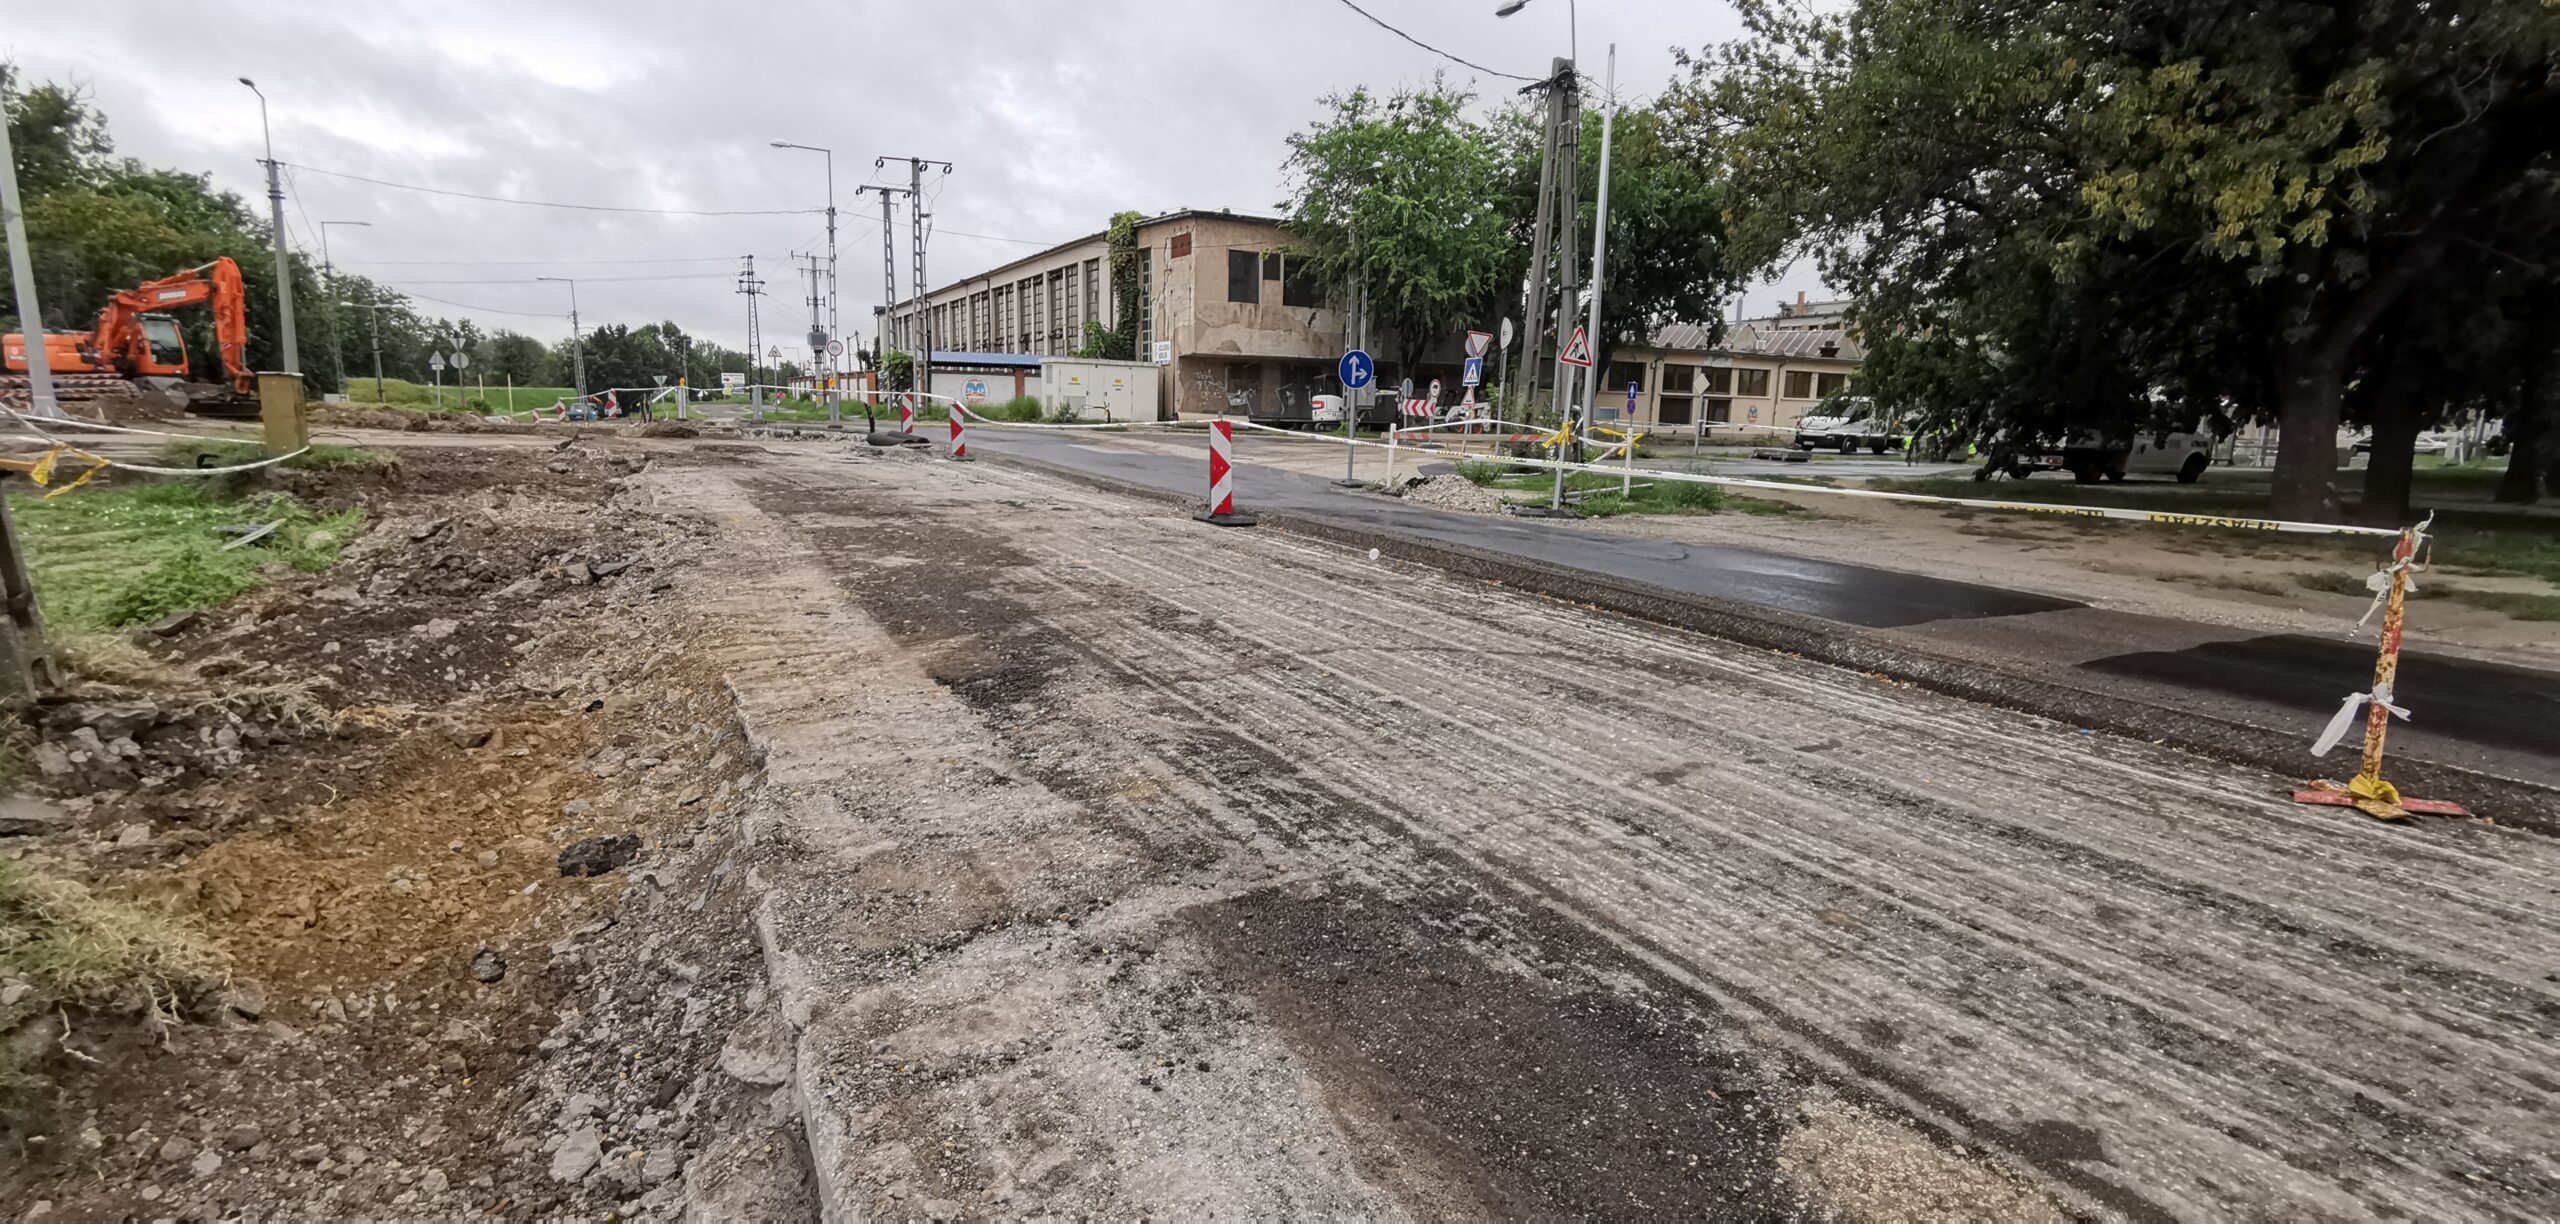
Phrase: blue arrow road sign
x=1474 y=372
x=1631 y=398
x=1356 y=369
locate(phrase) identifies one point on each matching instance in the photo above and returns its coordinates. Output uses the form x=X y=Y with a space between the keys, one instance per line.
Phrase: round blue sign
x=1356 y=369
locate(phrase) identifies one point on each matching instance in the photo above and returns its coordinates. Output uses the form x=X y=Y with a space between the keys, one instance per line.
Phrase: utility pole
x=749 y=285
x=577 y=337
x=1568 y=216
x=1533 y=321
x=916 y=219
x=376 y=307
x=22 y=277
x=275 y=214
x=1600 y=255
x=888 y=271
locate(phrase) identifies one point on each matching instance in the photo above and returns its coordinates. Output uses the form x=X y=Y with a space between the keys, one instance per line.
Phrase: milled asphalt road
x=2494 y=719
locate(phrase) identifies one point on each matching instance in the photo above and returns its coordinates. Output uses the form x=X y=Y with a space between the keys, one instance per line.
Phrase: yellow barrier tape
x=42 y=472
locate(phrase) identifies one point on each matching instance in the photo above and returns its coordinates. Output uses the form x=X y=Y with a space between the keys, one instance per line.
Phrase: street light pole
x=275 y=215
x=328 y=269
x=834 y=328
x=577 y=339
x=1600 y=256
x=376 y=307
x=22 y=276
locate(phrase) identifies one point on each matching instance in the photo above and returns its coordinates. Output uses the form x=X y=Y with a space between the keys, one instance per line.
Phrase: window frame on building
x=1828 y=384
x=1797 y=385
x=1244 y=280
x=1675 y=401
x=1750 y=382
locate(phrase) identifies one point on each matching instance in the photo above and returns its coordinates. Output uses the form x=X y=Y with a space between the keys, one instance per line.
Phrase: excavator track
x=200 y=399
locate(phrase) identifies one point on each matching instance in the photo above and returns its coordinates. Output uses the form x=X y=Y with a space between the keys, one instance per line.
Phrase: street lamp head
x=1509 y=7
x=246 y=81
x=781 y=144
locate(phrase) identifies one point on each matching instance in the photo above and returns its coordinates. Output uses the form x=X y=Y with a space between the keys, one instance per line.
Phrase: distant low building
x=1244 y=324
x=1758 y=375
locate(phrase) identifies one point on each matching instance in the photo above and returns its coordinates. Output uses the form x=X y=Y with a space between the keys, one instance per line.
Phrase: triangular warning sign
x=1577 y=351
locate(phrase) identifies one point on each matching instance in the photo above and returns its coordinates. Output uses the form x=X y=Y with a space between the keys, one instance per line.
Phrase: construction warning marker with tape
x=2367 y=792
x=1222 y=478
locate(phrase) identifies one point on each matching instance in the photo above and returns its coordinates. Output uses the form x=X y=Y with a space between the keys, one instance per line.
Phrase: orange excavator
x=135 y=347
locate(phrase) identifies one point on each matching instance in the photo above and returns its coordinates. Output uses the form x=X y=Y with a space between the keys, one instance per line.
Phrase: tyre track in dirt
x=2131 y=971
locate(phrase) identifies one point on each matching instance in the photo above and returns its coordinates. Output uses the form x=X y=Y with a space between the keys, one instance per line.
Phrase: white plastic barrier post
x=1222 y=478
x=959 y=435
x=907 y=412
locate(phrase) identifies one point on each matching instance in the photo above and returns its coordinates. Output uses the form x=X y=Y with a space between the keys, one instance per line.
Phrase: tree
x=2309 y=165
x=1118 y=343
x=1400 y=201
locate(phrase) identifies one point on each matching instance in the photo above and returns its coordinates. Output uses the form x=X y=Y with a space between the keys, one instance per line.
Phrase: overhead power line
x=1373 y=20
x=583 y=280
x=522 y=263
x=528 y=314
x=611 y=208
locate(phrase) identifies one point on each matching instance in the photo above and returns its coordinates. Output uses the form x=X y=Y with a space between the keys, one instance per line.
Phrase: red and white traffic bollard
x=959 y=435
x=907 y=412
x=1222 y=478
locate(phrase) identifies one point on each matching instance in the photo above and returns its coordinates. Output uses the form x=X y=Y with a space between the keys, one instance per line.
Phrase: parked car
x=1859 y=424
x=2150 y=452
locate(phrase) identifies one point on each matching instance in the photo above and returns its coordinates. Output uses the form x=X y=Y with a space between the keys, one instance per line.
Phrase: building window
x=1244 y=277
x=1720 y=411
x=1719 y=380
x=1750 y=383
x=1622 y=375
x=1799 y=384
x=1298 y=283
x=1075 y=308
x=1679 y=383
x=1828 y=385
x=1271 y=265
x=1093 y=290
x=1181 y=245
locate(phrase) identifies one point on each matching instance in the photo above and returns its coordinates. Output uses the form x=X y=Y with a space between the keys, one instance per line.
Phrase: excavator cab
x=165 y=348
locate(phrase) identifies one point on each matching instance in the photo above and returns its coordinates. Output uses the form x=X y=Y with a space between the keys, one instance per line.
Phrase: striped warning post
x=959 y=435
x=1222 y=478
x=907 y=413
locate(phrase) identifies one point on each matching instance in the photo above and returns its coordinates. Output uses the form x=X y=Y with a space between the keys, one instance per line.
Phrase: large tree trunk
x=2387 y=467
x=2308 y=401
x=2522 y=485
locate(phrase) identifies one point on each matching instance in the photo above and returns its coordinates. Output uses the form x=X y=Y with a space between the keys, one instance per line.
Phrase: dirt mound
x=669 y=429
x=1447 y=492
x=357 y=416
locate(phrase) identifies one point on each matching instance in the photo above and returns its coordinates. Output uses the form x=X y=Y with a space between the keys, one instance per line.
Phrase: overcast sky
x=1055 y=113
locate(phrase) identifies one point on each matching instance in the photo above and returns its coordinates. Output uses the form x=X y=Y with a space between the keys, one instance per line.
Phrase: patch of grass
x=116 y=558
x=1021 y=408
x=72 y=947
x=1479 y=473
x=422 y=397
x=2334 y=583
x=2255 y=586
x=2522 y=605
x=1601 y=499
x=322 y=456
x=1768 y=509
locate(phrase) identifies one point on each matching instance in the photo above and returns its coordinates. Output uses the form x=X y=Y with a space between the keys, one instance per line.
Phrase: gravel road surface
x=1122 y=864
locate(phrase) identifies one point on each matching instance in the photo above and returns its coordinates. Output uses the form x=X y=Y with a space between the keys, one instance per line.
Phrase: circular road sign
x=461 y=359
x=1356 y=370
x=835 y=348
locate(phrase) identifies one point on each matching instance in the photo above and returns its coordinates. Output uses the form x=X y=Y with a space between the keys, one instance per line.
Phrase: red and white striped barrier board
x=1417 y=407
x=1222 y=478
x=907 y=413
x=959 y=437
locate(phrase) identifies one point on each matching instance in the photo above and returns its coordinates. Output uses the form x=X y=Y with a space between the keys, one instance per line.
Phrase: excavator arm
x=216 y=284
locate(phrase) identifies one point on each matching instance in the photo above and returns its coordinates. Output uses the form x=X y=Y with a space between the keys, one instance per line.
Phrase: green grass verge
x=320 y=457
x=72 y=947
x=2522 y=605
x=400 y=393
x=1601 y=499
x=115 y=558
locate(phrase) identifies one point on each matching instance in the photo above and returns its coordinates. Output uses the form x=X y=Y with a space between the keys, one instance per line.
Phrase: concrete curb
x=2509 y=801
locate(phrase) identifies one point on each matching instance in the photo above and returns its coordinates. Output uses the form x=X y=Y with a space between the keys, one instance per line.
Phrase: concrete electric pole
x=916 y=218
x=22 y=277
x=275 y=214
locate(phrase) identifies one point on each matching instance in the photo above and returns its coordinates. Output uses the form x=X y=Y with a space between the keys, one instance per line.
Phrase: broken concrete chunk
x=595 y=856
x=487 y=967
